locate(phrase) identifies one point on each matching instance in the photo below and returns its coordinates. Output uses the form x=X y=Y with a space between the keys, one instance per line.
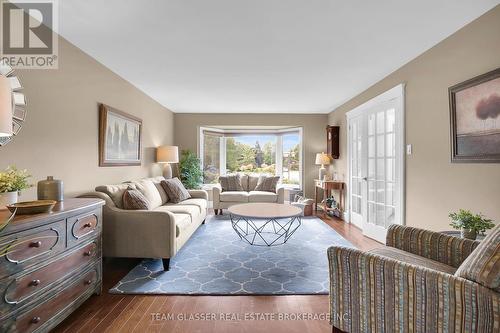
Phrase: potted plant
x=12 y=181
x=190 y=170
x=470 y=224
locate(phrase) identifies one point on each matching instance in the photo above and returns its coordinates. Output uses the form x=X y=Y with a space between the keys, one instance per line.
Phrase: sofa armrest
x=369 y=292
x=107 y=199
x=200 y=194
x=437 y=246
x=280 y=191
x=216 y=191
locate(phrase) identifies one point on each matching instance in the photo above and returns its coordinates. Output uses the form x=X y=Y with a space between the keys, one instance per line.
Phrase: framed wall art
x=475 y=119
x=119 y=137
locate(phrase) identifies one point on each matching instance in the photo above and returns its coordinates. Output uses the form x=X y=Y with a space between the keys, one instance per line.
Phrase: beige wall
x=314 y=135
x=60 y=136
x=434 y=185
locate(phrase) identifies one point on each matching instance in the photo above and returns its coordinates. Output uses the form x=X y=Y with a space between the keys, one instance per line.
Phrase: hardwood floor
x=128 y=313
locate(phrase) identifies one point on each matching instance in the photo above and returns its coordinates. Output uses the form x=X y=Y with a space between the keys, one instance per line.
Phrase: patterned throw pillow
x=483 y=264
x=231 y=183
x=267 y=184
x=133 y=199
x=176 y=191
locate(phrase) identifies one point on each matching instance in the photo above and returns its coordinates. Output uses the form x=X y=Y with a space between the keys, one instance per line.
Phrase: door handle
x=365 y=179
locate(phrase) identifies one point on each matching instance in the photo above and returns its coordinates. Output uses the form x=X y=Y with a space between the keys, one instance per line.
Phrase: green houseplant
x=190 y=170
x=470 y=224
x=12 y=181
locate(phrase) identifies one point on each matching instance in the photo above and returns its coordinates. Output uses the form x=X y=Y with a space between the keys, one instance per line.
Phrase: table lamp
x=322 y=159
x=5 y=107
x=167 y=155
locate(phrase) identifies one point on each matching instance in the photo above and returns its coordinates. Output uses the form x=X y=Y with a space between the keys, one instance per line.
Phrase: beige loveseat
x=224 y=200
x=156 y=233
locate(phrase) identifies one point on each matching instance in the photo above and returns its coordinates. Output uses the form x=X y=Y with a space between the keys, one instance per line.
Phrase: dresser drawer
x=31 y=247
x=24 y=287
x=41 y=314
x=84 y=226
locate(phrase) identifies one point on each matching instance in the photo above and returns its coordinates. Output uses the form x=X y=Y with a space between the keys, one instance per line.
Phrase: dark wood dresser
x=52 y=266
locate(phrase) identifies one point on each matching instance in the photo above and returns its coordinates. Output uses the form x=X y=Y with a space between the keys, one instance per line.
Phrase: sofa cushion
x=182 y=222
x=231 y=183
x=157 y=182
x=253 y=180
x=261 y=196
x=133 y=199
x=483 y=264
x=413 y=259
x=175 y=190
x=267 y=184
x=200 y=203
x=191 y=210
x=148 y=188
x=115 y=192
x=244 y=181
x=233 y=196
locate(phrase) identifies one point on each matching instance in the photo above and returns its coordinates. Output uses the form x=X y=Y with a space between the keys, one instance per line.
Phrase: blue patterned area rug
x=215 y=261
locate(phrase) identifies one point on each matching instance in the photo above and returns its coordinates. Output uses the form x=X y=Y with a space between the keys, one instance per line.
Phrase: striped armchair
x=421 y=281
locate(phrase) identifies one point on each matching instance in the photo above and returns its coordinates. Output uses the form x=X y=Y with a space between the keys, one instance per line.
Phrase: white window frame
x=279 y=132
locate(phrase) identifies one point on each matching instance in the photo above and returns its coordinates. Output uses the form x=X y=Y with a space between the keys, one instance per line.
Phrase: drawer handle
x=36 y=244
x=87 y=225
x=35 y=283
x=35 y=320
x=87 y=282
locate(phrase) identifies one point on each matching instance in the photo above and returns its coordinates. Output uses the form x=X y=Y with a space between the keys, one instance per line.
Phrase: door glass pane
x=371 y=168
x=389 y=219
x=371 y=146
x=380 y=192
x=390 y=118
x=358 y=203
x=380 y=168
x=380 y=146
x=390 y=169
x=380 y=123
x=390 y=194
x=211 y=159
x=371 y=124
x=371 y=190
x=389 y=144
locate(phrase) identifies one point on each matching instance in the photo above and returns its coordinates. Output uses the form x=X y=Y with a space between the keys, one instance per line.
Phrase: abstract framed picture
x=475 y=119
x=119 y=138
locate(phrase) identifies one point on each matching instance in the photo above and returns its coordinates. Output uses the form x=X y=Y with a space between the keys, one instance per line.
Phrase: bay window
x=272 y=151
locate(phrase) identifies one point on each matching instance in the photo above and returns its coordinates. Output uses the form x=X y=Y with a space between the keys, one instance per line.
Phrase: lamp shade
x=167 y=154
x=322 y=159
x=5 y=107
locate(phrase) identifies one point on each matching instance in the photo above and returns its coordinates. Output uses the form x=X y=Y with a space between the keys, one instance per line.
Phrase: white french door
x=376 y=157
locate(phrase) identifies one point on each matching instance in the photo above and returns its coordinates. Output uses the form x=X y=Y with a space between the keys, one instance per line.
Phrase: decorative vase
x=8 y=198
x=50 y=189
x=469 y=234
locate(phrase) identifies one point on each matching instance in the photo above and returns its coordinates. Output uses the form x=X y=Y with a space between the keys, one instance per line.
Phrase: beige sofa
x=156 y=233
x=224 y=200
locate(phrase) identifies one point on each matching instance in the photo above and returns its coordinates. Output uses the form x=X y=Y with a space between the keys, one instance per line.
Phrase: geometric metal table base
x=261 y=232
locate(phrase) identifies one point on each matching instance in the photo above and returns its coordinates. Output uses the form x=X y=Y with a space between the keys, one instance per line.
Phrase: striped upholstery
x=483 y=265
x=231 y=183
x=370 y=292
x=447 y=249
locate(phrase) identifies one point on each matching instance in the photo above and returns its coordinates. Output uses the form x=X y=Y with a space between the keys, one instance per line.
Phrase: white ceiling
x=256 y=56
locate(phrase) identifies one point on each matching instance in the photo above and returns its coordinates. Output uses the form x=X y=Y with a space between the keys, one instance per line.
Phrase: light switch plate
x=408 y=149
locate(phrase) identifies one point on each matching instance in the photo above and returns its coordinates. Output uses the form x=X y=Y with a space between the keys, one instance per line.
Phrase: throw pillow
x=176 y=191
x=133 y=199
x=231 y=183
x=483 y=264
x=267 y=184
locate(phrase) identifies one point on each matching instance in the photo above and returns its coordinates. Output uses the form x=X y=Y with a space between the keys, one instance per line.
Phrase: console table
x=53 y=264
x=327 y=186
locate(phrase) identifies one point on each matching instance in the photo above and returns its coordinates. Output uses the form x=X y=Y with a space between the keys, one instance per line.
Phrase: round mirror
x=18 y=102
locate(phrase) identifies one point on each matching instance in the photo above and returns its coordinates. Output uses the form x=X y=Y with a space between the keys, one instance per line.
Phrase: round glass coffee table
x=265 y=224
